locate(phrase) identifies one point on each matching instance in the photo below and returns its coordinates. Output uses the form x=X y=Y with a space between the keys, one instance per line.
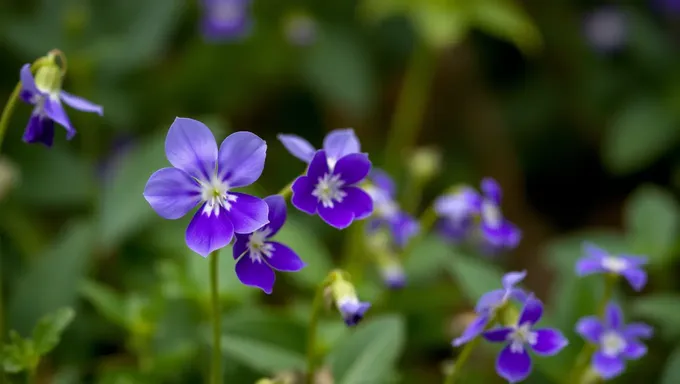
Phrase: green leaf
x=652 y=217
x=662 y=310
x=107 y=302
x=427 y=260
x=370 y=353
x=18 y=354
x=640 y=134
x=506 y=20
x=47 y=332
x=474 y=276
x=52 y=280
x=671 y=370
x=441 y=24
x=260 y=355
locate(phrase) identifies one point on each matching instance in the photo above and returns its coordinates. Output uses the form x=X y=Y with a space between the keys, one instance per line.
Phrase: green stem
x=7 y=112
x=317 y=305
x=467 y=351
x=286 y=191
x=216 y=371
x=410 y=108
x=31 y=376
x=354 y=250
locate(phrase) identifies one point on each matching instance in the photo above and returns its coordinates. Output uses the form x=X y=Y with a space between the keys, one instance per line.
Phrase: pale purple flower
x=514 y=362
x=47 y=110
x=332 y=192
x=456 y=212
x=606 y=29
x=597 y=260
x=386 y=212
x=616 y=341
x=352 y=310
x=393 y=274
x=490 y=302
x=337 y=144
x=225 y=20
x=258 y=256
x=498 y=232
x=203 y=175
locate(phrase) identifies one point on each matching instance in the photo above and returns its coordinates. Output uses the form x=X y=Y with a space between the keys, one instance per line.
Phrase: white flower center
x=328 y=190
x=258 y=247
x=216 y=195
x=226 y=12
x=491 y=214
x=614 y=264
x=612 y=344
x=521 y=335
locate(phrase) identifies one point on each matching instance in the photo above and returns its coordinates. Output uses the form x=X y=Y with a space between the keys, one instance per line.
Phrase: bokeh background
x=573 y=106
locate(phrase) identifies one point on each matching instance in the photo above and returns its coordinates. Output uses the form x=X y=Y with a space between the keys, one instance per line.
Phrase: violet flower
x=346 y=301
x=616 y=341
x=332 y=192
x=456 y=212
x=337 y=143
x=606 y=29
x=597 y=260
x=203 y=175
x=258 y=256
x=393 y=274
x=45 y=93
x=492 y=301
x=225 y=20
x=514 y=362
x=498 y=232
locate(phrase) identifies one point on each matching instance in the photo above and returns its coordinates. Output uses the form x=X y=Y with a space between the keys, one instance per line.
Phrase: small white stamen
x=491 y=214
x=216 y=195
x=328 y=190
x=612 y=344
x=614 y=264
x=258 y=247
x=521 y=335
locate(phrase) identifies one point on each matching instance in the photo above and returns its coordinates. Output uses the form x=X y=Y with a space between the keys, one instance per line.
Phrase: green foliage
x=671 y=372
x=47 y=332
x=661 y=310
x=474 y=276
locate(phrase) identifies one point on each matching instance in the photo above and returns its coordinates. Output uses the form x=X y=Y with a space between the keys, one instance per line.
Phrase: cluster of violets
x=615 y=341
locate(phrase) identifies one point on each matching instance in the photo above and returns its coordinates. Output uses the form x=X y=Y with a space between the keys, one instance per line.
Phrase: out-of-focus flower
x=597 y=260
x=490 y=302
x=300 y=29
x=225 y=20
x=456 y=213
x=386 y=211
x=671 y=7
x=258 y=256
x=337 y=144
x=331 y=191
x=203 y=175
x=45 y=94
x=514 y=362
x=9 y=175
x=498 y=232
x=606 y=29
x=616 y=341
x=346 y=301
x=392 y=273
x=425 y=163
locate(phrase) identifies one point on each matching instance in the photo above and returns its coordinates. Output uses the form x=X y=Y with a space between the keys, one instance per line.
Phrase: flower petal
x=240 y=245
x=513 y=366
x=247 y=213
x=634 y=261
x=511 y=279
x=241 y=159
x=498 y=335
x=504 y=236
x=302 y=195
x=383 y=181
x=27 y=81
x=191 y=147
x=637 y=278
x=298 y=147
x=284 y=258
x=588 y=266
x=638 y=331
x=607 y=367
x=353 y=168
x=277 y=213
x=549 y=342
x=634 y=350
x=56 y=112
x=338 y=216
x=403 y=227
x=318 y=167
x=613 y=316
x=492 y=190
x=39 y=130
x=358 y=202
x=80 y=104
x=532 y=312
x=340 y=143
x=172 y=193
x=593 y=251
x=474 y=329
x=590 y=328
x=489 y=300
x=208 y=232
x=255 y=273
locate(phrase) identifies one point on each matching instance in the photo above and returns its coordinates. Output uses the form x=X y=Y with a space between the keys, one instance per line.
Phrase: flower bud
x=346 y=301
x=48 y=78
x=425 y=163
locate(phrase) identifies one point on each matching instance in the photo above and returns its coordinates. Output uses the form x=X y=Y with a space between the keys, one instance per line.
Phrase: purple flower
x=337 y=144
x=456 y=213
x=498 y=232
x=597 y=260
x=514 y=362
x=331 y=192
x=44 y=92
x=258 y=256
x=393 y=274
x=387 y=212
x=616 y=341
x=203 y=175
x=490 y=302
x=606 y=29
x=353 y=310
x=225 y=19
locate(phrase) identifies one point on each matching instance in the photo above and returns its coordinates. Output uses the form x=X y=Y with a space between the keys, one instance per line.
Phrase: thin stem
x=317 y=305
x=286 y=191
x=353 y=257
x=7 y=112
x=410 y=108
x=216 y=371
x=31 y=376
x=461 y=360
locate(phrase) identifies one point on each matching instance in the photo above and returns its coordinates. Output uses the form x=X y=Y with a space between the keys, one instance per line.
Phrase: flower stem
x=317 y=305
x=286 y=191
x=216 y=369
x=465 y=353
x=410 y=108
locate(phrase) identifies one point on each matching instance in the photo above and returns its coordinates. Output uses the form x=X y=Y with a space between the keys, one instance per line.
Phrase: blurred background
x=573 y=106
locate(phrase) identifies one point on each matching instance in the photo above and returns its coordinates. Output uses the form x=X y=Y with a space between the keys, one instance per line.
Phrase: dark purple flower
x=337 y=144
x=606 y=29
x=258 y=256
x=300 y=29
x=456 y=213
x=498 y=232
x=353 y=310
x=332 y=192
x=490 y=302
x=225 y=19
x=203 y=175
x=616 y=341
x=597 y=260
x=44 y=92
x=386 y=212
x=514 y=362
